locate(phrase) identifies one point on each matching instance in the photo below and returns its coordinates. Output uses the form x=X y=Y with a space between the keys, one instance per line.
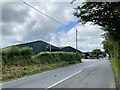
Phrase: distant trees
x=97 y=53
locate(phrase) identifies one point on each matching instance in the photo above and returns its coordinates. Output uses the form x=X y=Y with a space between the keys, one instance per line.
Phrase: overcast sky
x=21 y=24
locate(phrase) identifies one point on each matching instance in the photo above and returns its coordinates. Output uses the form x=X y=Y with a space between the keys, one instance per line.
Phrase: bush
x=26 y=51
x=16 y=55
x=55 y=57
x=10 y=52
x=20 y=66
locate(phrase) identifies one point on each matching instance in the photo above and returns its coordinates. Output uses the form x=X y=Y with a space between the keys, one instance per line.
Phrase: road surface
x=89 y=74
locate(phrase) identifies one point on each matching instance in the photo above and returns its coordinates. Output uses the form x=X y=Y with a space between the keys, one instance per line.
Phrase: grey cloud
x=31 y=25
x=12 y=14
x=7 y=29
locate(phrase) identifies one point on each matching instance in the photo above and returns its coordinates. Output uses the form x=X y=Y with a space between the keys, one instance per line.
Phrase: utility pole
x=50 y=47
x=76 y=42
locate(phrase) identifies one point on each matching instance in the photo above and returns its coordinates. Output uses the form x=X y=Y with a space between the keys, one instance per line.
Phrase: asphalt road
x=89 y=74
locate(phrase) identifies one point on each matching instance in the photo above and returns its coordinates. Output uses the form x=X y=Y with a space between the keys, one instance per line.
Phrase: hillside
x=69 y=49
x=38 y=46
x=41 y=46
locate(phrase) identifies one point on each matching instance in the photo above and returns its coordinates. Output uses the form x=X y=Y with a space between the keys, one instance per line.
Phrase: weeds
x=19 y=62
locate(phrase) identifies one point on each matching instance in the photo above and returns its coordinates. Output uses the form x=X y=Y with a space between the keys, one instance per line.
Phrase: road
x=89 y=74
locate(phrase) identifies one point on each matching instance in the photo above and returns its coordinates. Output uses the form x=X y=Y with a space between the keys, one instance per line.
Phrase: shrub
x=10 y=52
x=26 y=51
x=55 y=57
x=20 y=66
x=16 y=55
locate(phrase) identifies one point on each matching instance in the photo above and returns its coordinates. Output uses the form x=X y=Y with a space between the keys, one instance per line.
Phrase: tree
x=106 y=15
x=96 y=53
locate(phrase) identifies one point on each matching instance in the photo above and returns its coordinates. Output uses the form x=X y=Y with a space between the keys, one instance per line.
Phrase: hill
x=38 y=46
x=41 y=46
x=69 y=49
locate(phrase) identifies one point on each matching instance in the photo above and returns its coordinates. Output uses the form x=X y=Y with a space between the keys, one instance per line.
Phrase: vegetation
x=55 y=57
x=17 y=56
x=106 y=15
x=0 y=64
x=97 y=53
x=19 y=61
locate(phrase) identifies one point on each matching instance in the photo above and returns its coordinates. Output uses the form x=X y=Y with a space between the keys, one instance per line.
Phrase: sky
x=22 y=24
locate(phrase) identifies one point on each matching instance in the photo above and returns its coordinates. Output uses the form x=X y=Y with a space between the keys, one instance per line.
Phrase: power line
x=41 y=12
x=51 y=19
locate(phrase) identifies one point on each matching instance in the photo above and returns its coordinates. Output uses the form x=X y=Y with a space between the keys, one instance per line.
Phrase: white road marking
x=43 y=72
x=68 y=77
x=64 y=79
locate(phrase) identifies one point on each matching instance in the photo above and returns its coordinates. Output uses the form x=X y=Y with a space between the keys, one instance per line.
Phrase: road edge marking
x=29 y=77
x=64 y=79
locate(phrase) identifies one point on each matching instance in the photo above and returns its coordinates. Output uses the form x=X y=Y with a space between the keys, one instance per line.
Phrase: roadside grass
x=20 y=65
x=15 y=72
x=116 y=67
x=0 y=68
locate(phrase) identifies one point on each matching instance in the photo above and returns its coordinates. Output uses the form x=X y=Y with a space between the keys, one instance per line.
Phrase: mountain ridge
x=42 y=46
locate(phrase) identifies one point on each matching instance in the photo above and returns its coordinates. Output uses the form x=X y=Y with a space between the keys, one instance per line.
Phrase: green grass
x=116 y=67
x=15 y=72
x=20 y=66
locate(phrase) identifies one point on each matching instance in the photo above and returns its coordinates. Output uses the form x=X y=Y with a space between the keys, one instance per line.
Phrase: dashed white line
x=51 y=85
x=64 y=79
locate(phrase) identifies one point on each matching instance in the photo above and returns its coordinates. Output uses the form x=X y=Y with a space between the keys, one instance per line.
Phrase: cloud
x=14 y=13
x=21 y=24
x=89 y=37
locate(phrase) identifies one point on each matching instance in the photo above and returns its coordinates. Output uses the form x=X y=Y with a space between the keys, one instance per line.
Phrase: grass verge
x=41 y=62
x=116 y=68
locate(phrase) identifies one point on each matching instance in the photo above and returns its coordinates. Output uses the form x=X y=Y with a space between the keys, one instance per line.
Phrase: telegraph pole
x=76 y=42
x=50 y=47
